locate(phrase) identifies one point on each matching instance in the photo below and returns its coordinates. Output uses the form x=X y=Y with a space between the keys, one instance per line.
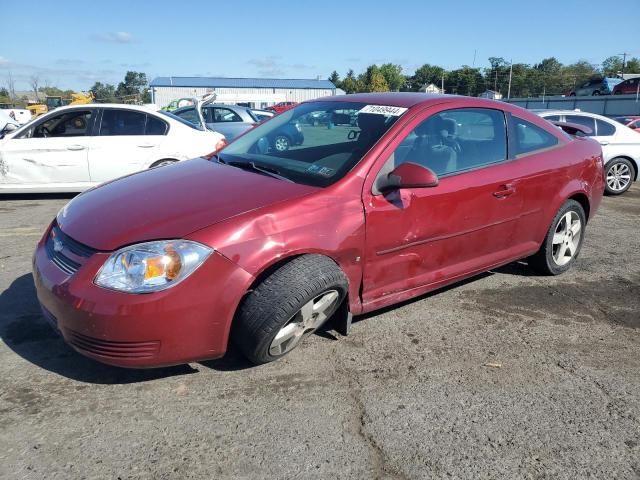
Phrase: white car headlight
x=152 y=266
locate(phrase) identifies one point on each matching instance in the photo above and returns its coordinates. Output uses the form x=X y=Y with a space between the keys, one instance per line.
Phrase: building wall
x=269 y=96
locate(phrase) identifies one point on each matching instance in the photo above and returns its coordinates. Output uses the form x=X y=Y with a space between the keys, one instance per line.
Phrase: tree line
x=549 y=77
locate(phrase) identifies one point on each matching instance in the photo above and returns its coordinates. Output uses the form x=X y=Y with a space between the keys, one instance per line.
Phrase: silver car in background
x=229 y=120
x=620 y=145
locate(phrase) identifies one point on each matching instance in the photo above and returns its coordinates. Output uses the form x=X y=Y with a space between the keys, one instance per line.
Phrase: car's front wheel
x=563 y=241
x=287 y=306
x=163 y=163
x=619 y=175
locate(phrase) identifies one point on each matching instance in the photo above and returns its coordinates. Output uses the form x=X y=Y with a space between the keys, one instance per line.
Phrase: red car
x=281 y=107
x=630 y=86
x=263 y=246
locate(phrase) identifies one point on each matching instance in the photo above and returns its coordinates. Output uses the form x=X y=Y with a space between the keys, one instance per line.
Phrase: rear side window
x=222 y=115
x=553 y=118
x=604 y=129
x=155 y=126
x=530 y=137
x=583 y=120
x=122 y=122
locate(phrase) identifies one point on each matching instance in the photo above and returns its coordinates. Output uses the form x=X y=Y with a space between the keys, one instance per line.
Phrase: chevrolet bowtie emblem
x=57 y=245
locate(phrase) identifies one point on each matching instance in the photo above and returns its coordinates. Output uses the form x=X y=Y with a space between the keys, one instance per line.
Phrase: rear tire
x=563 y=241
x=595 y=93
x=163 y=163
x=287 y=306
x=619 y=174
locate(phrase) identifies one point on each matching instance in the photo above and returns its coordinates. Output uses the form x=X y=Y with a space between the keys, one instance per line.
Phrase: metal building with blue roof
x=255 y=92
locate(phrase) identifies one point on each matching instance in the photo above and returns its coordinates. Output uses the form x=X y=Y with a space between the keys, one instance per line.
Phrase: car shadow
x=37 y=196
x=25 y=331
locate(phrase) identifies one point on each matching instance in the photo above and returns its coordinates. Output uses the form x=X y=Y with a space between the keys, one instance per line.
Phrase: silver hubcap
x=281 y=144
x=566 y=238
x=618 y=176
x=312 y=314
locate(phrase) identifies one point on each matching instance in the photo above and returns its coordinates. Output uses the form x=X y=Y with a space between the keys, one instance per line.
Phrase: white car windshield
x=315 y=143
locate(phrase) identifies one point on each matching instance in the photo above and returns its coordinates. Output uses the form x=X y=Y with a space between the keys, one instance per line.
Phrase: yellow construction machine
x=52 y=102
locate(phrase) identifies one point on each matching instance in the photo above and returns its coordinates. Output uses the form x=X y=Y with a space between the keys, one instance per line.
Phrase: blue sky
x=74 y=43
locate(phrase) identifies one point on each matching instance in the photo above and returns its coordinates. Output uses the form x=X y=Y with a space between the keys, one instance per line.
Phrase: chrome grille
x=66 y=253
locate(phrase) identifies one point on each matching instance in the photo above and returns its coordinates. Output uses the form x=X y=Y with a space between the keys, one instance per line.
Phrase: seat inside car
x=435 y=146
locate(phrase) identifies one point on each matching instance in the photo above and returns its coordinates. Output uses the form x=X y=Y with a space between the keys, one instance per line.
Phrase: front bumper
x=185 y=323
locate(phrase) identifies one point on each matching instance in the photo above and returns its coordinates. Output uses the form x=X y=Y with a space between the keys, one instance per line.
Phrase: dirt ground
x=508 y=375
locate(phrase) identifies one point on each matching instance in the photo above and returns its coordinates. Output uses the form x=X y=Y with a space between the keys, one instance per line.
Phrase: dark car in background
x=234 y=120
x=630 y=86
x=595 y=86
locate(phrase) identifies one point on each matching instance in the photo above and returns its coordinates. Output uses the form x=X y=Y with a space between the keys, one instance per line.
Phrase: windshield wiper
x=272 y=172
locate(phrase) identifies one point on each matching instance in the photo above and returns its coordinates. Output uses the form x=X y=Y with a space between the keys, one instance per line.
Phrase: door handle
x=603 y=142
x=505 y=191
x=146 y=145
x=75 y=147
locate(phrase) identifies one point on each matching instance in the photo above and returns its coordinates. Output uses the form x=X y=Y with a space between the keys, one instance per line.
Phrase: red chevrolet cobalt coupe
x=398 y=195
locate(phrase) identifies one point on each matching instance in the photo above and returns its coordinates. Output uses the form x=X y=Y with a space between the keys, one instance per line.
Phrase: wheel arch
x=157 y=162
x=583 y=200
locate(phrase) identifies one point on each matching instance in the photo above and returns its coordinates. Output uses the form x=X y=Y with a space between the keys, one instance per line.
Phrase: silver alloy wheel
x=281 y=144
x=618 y=176
x=566 y=238
x=311 y=316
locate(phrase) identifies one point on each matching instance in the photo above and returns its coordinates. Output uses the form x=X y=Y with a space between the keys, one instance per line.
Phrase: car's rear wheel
x=595 y=93
x=287 y=306
x=619 y=175
x=281 y=143
x=563 y=241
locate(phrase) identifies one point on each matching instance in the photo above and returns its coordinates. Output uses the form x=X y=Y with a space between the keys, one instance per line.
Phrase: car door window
x=456 y=140
x=75 y=123
x=221 y=115
x=530 y=138
x=122 y=122
x=552 y=118
x=583 y=120
x=190 y=115
x=604 y=129
x=155 y=126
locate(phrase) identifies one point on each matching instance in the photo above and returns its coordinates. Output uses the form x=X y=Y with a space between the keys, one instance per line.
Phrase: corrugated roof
x=223 y=82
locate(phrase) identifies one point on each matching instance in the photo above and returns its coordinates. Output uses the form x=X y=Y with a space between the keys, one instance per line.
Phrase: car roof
x=123 y=106
x=398 y=99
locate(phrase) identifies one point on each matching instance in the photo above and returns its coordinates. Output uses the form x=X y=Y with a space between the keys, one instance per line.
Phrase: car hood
x=169 y=202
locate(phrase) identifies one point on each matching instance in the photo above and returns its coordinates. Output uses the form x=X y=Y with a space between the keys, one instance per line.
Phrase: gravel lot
x=410 y=394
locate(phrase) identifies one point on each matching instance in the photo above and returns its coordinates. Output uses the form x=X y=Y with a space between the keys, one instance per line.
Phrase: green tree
x=393 y=76
x=335 y=79
x=104 y=92
x=425 y=75
x=350 y=84
x=372 y=80
x=134 y=85
x=464 y=81
x=4 y=95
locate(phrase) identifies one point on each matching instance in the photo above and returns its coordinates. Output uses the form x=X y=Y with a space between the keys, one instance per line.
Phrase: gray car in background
x=229 y=120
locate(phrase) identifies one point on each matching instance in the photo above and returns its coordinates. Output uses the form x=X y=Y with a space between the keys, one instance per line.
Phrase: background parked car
x=633 y=122
x=18 y=115
x=76 y=147
x=596 y=86
x=282 y=106
x=262 y=115
x=620 y=145
x=627 y=87
x=233 y=120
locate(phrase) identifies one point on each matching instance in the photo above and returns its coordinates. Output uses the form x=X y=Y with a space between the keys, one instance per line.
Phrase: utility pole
x=510 y=75
x=495 y=81
x=442 y=82
x=624 y=61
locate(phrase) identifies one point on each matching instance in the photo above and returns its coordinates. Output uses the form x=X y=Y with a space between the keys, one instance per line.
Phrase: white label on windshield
x=383 y=110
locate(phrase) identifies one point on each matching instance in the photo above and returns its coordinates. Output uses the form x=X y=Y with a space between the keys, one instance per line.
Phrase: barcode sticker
x=383 y=110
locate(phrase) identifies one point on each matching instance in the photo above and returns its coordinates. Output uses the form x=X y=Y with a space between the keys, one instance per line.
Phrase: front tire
x=563 y=241
x=287 y=306
x=618 y=175
x=163 y=163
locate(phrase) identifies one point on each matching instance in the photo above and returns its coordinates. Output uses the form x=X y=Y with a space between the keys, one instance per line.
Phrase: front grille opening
x=60 y=247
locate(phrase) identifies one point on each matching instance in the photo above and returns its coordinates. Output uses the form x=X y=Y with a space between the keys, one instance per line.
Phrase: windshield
x=315 y=143
x=181 y=120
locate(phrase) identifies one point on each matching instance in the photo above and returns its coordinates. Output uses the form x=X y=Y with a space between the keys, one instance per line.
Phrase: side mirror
x=411 y=175
x=10 y=127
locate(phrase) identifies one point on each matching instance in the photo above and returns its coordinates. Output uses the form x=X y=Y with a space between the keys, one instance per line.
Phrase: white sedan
x=74 y=148
x=620 y=145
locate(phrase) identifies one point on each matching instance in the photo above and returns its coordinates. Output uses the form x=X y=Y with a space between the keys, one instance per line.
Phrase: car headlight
x=152 y=266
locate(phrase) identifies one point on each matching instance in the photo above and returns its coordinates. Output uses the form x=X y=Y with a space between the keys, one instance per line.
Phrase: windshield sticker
x=383 y=110
x=324 y=171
